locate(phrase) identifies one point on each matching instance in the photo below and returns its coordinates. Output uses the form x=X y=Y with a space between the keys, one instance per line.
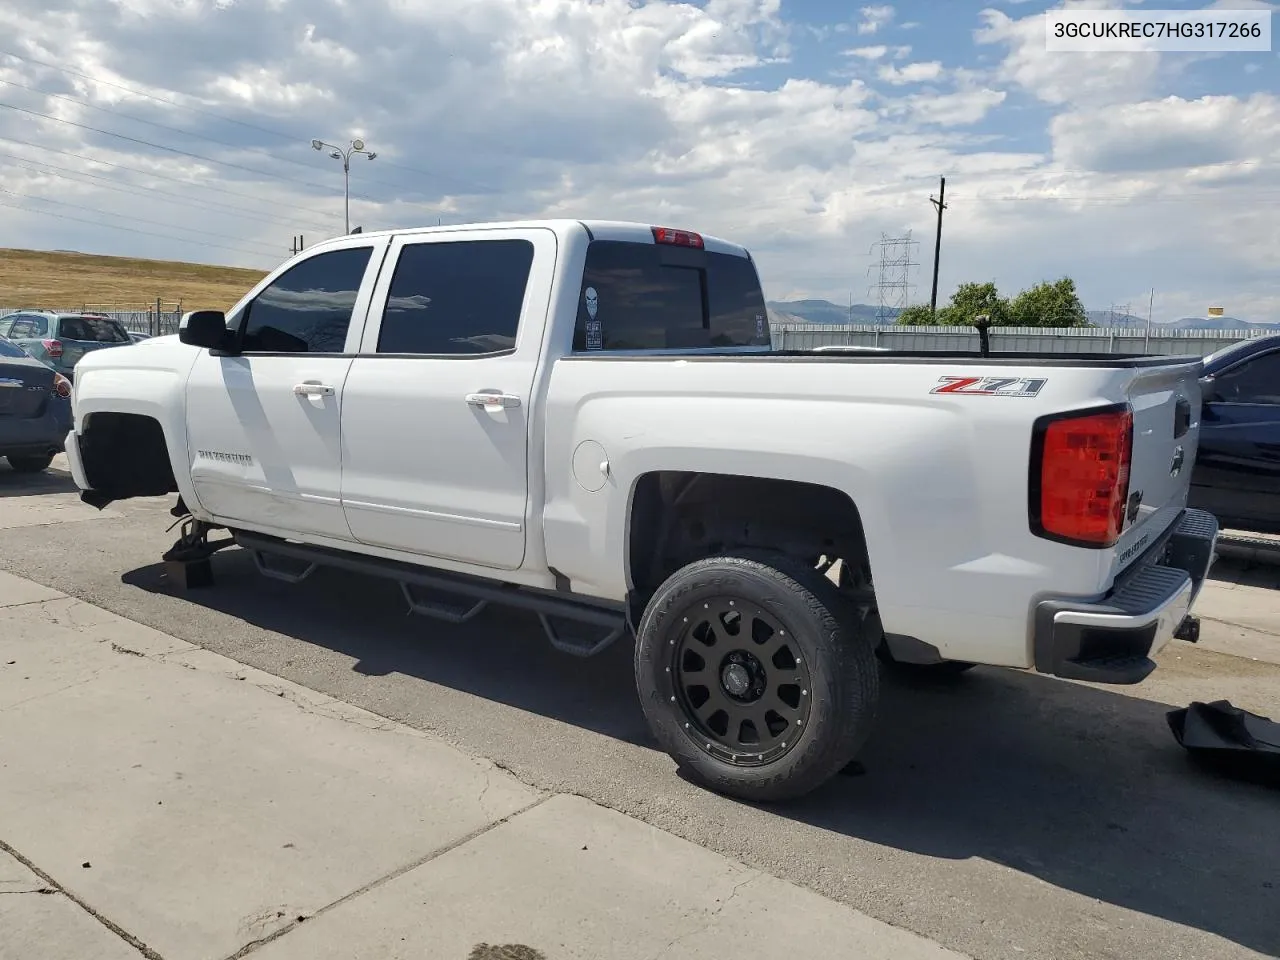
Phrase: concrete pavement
x=1006 y=816
x=160 y=800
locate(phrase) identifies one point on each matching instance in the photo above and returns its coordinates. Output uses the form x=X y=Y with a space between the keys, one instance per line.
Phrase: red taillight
x=53 y=347
x=1080 y=477
x=61 y=386
x=677 y=238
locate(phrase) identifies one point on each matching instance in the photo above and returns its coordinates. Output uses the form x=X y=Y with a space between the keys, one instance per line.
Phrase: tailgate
x=1166 y=433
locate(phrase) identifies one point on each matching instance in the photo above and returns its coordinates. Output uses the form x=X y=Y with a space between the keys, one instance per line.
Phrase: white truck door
x=263 y=425
x=435 y=419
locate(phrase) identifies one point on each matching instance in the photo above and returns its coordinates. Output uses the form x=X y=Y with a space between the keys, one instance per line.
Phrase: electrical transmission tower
x=893 y=284
x=1118 y=310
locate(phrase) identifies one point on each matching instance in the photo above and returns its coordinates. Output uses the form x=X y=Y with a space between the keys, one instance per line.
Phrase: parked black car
x=35 y=409
x=1237 y=471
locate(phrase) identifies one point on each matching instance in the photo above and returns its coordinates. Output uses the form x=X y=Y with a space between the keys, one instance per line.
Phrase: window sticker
x=595 y=330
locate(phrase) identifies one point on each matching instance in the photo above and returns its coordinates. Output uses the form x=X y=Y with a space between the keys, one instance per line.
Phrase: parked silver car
x=61 y=339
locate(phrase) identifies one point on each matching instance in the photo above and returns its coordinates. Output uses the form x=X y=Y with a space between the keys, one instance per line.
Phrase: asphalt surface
x=1005 y=815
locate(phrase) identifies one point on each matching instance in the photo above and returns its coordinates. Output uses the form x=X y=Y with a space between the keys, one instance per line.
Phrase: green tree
x=972 y=300
x=1049 y=305
x=916 y=315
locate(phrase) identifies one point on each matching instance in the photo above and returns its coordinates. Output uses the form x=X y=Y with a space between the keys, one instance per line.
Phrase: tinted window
x=652 y=297
x=11 y=350
x=307 y=309
x=28 y=326
x=461 y=297
x=97 y=329
x=1254 y=381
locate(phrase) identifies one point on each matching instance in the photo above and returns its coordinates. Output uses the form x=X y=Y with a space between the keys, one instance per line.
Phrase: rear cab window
x=92 y=329
x=638 y=296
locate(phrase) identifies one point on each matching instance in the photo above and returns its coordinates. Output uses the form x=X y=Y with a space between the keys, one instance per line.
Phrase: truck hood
x=162 y=351
x=162 y=339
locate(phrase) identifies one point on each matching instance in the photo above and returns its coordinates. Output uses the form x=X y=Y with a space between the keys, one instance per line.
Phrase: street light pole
x=344 y=154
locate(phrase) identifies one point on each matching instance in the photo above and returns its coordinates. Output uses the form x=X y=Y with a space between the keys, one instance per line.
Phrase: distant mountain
x=824 y=311
x=1104 y=318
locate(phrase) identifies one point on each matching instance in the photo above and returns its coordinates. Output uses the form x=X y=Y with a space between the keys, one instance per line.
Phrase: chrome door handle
x=312 y=388
x=493 y=400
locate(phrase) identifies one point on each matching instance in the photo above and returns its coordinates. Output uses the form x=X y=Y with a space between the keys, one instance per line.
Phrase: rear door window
x=638 y=296
x=27 y=327
x=92 y=329
x=456 y=298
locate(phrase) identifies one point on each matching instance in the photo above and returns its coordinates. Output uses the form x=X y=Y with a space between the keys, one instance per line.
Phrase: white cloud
x=958 y=109
x=873 y=18
x=878 y=52
x=486 y=109
x=911 y=73
x=1171 y=134
x=867 y=53
x=1057 y=78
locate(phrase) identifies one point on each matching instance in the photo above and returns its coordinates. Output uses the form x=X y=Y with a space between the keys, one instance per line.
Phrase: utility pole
x=940 y=203
x=1146 y=341
x=296 y=245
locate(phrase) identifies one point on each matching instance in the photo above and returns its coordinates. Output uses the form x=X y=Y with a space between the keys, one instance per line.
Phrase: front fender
x=148 y=381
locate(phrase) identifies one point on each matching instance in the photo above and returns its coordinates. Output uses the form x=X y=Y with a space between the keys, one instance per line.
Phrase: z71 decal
x=990 y=386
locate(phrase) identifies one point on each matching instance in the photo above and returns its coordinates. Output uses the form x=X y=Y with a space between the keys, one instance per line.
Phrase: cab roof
x=624 y=230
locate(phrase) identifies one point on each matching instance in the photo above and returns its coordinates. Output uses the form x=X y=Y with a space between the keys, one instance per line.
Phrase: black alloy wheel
x=756 y=676
x=740 y=681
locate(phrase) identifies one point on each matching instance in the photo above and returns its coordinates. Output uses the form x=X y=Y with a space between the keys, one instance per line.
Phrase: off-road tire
x=837 y=642
x=30 y=464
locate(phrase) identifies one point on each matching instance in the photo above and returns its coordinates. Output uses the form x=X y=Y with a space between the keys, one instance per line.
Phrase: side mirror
x=204 y=328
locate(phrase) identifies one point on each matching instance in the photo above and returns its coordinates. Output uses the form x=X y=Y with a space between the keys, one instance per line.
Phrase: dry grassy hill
x=59 y=280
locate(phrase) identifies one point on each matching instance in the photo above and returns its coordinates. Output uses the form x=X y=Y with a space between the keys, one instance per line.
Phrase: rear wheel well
x=125 y=455
x=678 y=517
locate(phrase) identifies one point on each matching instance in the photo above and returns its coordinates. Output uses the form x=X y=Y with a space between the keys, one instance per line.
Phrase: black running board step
x=415 y=581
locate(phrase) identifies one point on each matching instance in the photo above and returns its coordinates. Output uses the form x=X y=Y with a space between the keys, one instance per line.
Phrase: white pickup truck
x=586 y=419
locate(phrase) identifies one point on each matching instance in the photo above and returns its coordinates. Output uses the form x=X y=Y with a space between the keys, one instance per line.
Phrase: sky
x=803 y=129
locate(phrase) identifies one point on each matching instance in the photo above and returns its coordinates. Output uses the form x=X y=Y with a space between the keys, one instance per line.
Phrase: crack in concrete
x=710 y=916
x=55 y=887
x=29 y=603
x=400 y=871
x=50 y=693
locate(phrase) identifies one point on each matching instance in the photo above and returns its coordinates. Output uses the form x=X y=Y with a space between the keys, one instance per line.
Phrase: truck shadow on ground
x=1078 y=787
x=1248 y=573
x=14 y=484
